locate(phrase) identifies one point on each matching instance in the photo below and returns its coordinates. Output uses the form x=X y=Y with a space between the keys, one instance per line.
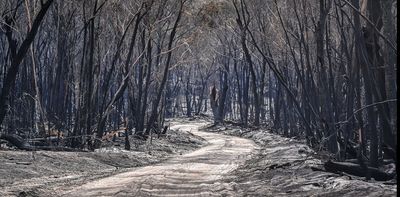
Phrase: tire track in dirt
x=193 y=174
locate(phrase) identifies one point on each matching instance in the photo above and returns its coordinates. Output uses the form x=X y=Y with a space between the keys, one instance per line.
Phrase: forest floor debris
x=278 y=166
x=284 y=167
x=35 y=173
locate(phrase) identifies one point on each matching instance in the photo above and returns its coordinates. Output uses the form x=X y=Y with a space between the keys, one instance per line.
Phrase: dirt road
x=193 y=174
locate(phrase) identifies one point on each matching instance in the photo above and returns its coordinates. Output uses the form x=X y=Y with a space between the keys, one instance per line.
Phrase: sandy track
x=194 y=174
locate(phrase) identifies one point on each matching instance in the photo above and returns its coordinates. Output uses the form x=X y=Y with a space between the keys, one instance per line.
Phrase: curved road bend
x=193 y=174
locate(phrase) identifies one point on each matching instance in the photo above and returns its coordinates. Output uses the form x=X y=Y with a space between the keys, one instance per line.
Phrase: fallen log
x=21 y=144
x=46 y=141
x=55 y=148
x=23 y=163
x=357 y=170
x=15 y=140
x=383 y=162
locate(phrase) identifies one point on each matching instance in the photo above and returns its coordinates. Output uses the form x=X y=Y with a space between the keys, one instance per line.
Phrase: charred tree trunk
x=154 y=112
x=17 y=55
